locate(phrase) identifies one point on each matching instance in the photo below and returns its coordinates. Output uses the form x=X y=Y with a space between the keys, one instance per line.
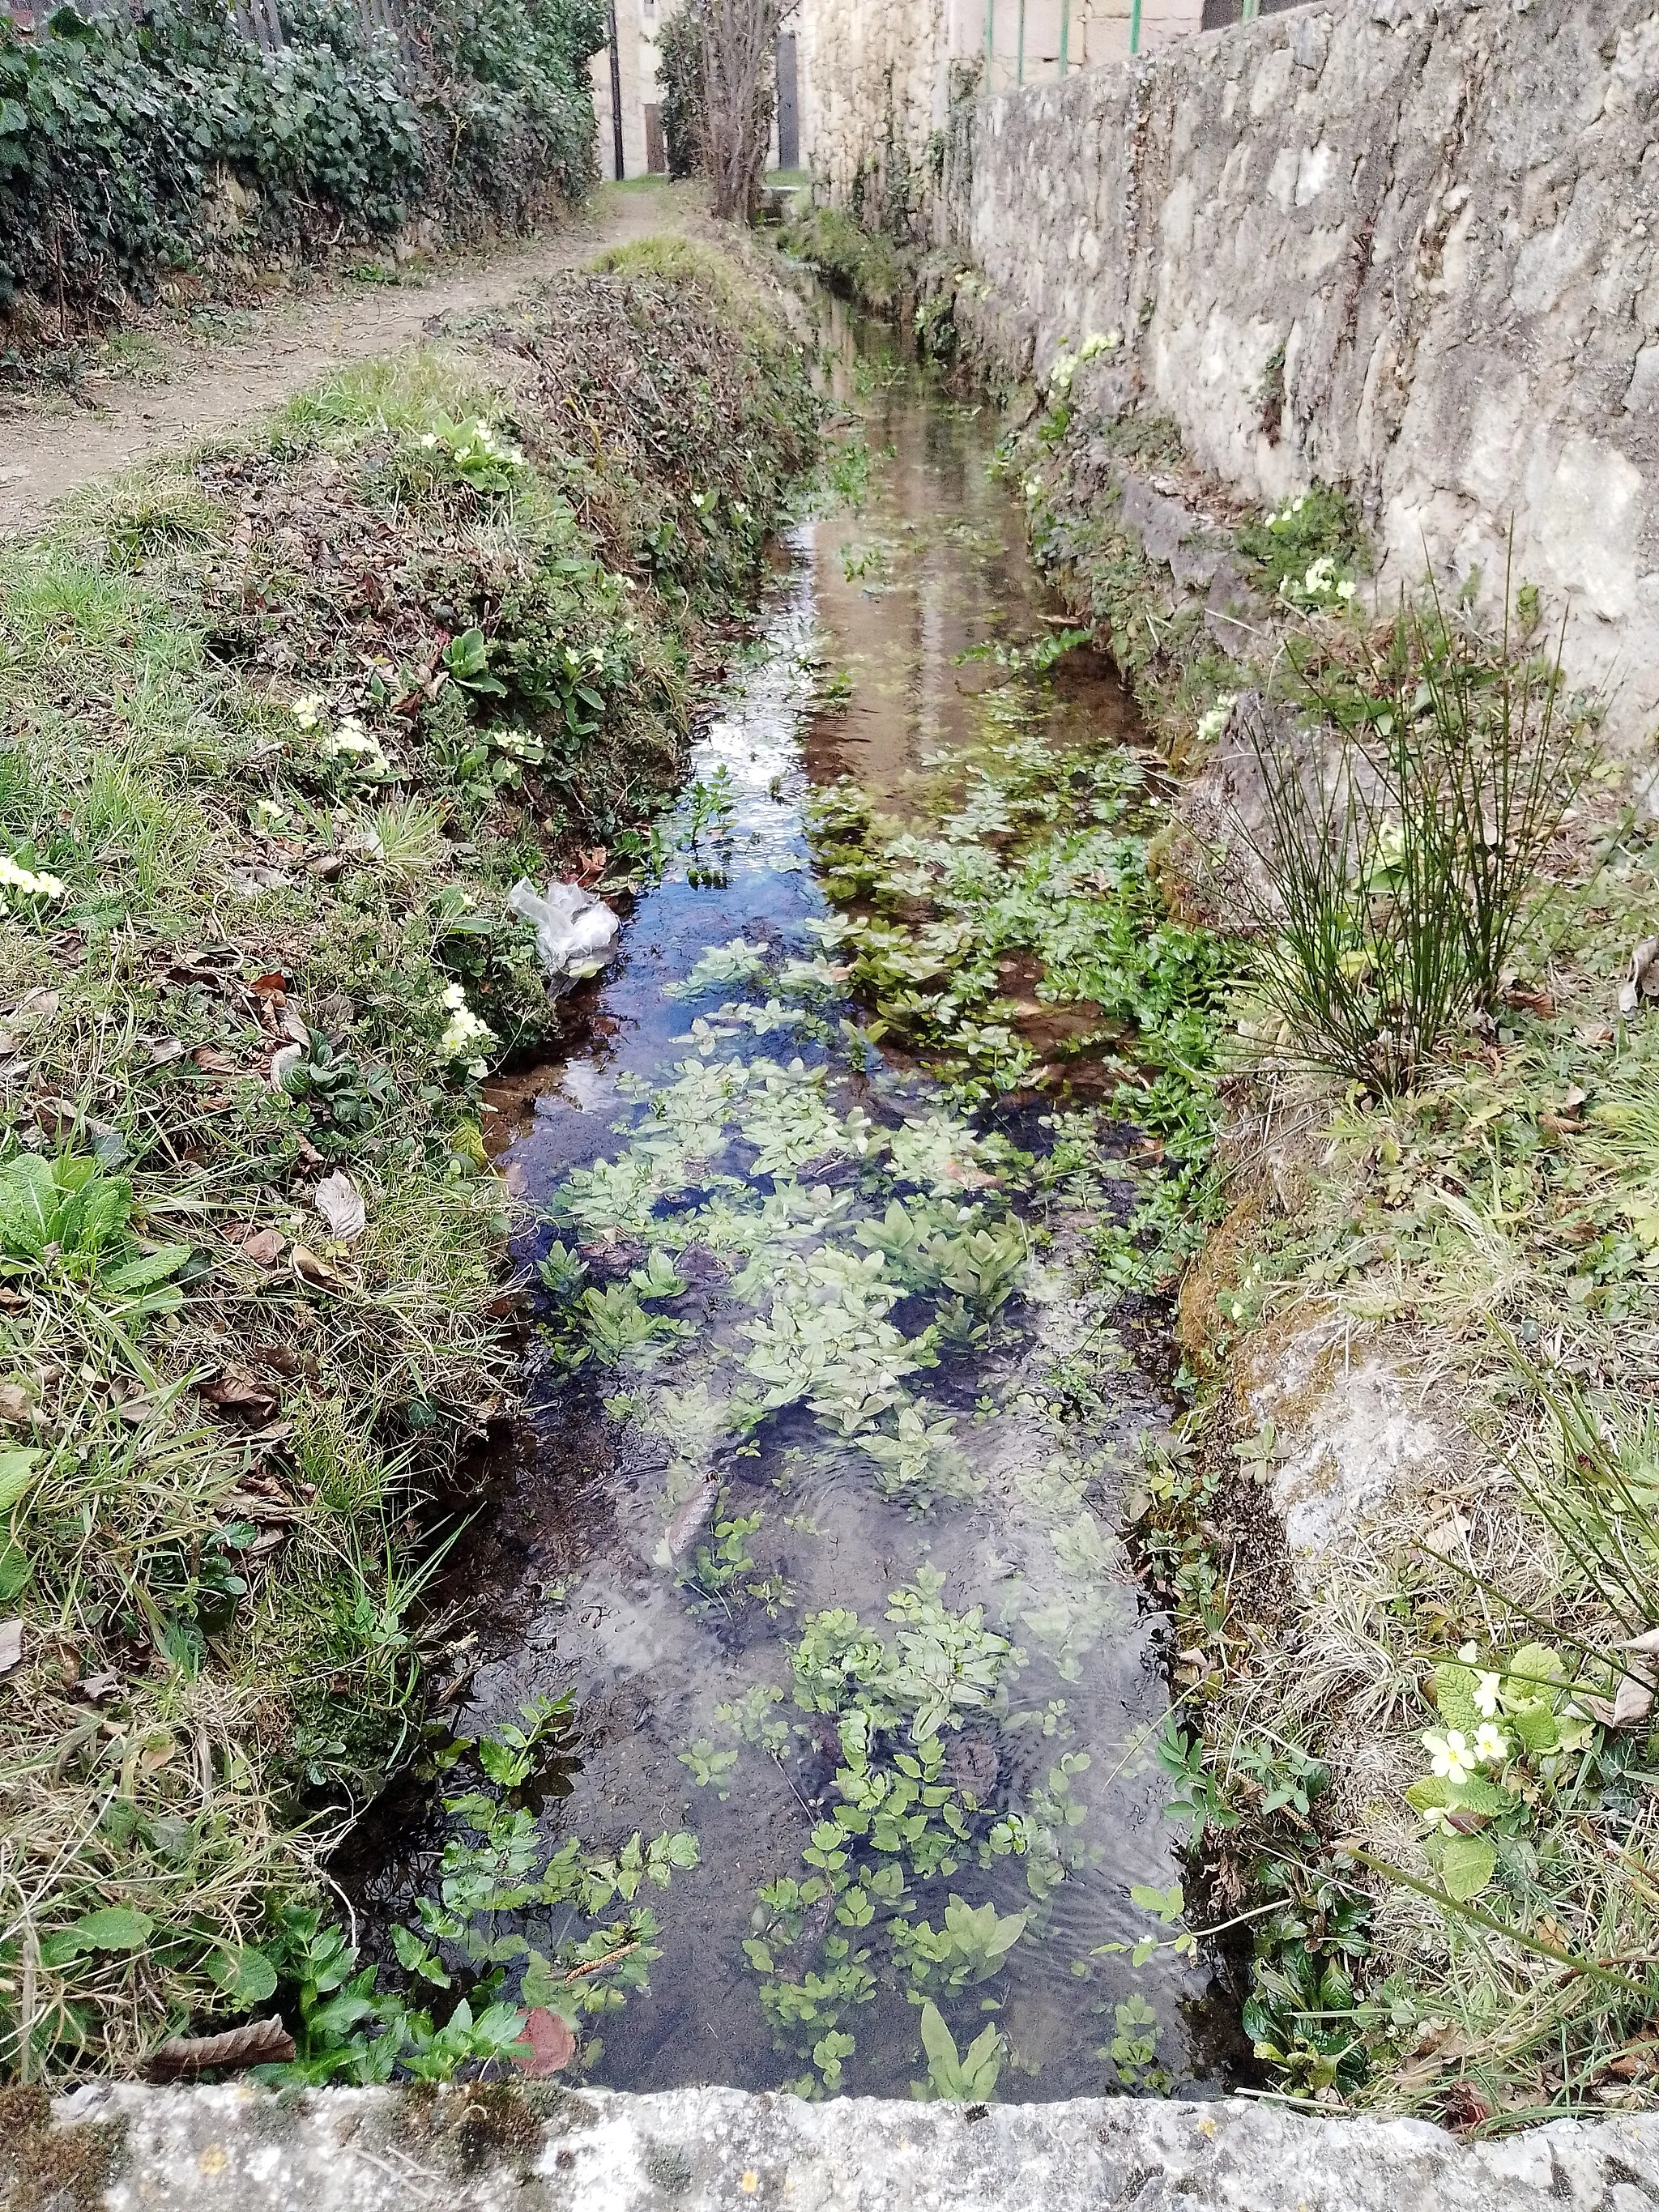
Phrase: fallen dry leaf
x=15 y=1404
x=548 y=2042
x=264 y=1246
x=36 y=1006
x=269 y=986
x=97 y=1688
x=340 y=1202
x=235 y=1389
x=261 y=2043
x=1632 y=1700
x=11 y=1644
x=316 y=1270
x=163 y=1051
x=1643 y=982
x=213 y=1061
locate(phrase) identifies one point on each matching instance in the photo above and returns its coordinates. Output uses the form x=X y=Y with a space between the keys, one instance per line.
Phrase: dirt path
x=50 y=447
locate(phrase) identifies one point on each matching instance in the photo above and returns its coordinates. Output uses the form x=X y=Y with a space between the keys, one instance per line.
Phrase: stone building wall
x=1403 y=247
x=878 y=78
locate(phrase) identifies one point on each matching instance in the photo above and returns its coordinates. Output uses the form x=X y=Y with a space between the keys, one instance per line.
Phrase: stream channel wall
x=1404 y=247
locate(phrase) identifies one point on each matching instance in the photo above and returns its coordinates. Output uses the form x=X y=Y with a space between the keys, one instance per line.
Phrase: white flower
x=1486 y=1689
x=308 y=711
x=1099 y=342
x=29 y=882
x=1468 y=1653
x=1211 y=725
x=1491 y=1745
x=1346 y=588
x=1451 y=1753
x=269 y=810
x=1436 y=1818
x=430 y=441
x=350 y=741
x=465 y=1032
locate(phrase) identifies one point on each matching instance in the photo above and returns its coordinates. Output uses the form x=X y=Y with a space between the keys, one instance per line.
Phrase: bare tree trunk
x=739 y=45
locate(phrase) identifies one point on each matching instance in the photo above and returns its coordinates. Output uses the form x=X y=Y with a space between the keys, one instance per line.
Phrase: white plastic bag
x=576 y=932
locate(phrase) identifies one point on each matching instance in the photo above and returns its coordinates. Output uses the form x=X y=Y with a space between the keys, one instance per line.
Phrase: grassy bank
x=282 y=724
x=1407 y=1539
x=1413 y=1735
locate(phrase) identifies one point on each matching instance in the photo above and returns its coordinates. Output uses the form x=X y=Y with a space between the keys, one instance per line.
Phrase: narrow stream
x=762 y=1439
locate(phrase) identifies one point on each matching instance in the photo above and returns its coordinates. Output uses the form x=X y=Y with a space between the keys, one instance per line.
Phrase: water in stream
x=828 y=1561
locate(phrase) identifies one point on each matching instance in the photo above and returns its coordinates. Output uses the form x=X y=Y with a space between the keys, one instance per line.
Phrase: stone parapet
x=126 y=2148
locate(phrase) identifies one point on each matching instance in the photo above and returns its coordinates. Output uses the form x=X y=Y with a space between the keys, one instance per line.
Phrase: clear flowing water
x=680 y=1530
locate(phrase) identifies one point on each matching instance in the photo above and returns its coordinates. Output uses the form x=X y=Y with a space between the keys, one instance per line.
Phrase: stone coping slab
x=123 y=2147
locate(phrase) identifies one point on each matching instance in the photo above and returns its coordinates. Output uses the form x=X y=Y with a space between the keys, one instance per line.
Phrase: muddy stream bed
x=796 y=1512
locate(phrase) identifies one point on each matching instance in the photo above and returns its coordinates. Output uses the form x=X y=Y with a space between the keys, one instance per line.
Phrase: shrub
x=133 y=145
x=684 y=94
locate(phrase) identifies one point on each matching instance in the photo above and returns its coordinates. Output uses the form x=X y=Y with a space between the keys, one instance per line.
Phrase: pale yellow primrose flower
x=465 y=1032
x=1452 y=1757
x=1490 y=1744
x=32 y=882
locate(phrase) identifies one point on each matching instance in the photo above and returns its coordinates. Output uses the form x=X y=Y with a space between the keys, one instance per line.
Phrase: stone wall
x=546 y=2149
x=878 y=78
x=1398 y=245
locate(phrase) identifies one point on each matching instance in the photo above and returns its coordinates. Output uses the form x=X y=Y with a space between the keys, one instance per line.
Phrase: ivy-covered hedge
x=132 y=145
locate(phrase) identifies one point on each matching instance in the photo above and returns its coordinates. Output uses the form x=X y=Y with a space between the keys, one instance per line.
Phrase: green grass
x=851 y=259
x=213 y=1487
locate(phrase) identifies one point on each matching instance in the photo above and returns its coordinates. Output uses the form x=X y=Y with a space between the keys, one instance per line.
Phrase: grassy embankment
x=280 y=724
x=1416 y=1762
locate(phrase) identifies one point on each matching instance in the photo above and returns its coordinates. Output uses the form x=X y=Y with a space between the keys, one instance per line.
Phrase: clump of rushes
x=1408 y=813
x=281 y=725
